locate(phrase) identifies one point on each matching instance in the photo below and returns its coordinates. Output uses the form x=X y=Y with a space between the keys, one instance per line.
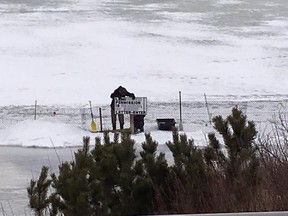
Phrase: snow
x=70 y=52
x=52 y=133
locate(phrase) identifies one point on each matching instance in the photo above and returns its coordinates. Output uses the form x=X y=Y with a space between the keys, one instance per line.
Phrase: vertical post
x=100 y=115
x=132 y=123
x=35 y=108
x=209 y=115
x=180 y=104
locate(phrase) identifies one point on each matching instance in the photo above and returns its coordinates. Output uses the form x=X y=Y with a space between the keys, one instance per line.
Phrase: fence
x=195 y=116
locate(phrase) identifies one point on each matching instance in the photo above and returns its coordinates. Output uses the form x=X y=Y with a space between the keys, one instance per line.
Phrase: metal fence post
x=100 y=116
x=180 y=104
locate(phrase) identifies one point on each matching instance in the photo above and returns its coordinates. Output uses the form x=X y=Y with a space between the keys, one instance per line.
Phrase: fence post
x=132 y=123
x=100 y=116
x=209 y=114
x=180 y=104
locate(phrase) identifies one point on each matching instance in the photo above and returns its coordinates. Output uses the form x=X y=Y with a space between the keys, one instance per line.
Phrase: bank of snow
x=51 y=132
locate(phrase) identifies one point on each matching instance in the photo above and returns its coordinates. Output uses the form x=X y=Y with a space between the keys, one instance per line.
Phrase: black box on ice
x=166 y=123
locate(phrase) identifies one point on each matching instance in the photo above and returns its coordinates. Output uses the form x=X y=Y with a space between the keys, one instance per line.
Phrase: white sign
x=127 y=105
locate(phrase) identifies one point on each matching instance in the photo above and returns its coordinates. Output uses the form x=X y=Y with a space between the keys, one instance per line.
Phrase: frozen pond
x=67 y=52
x=18 y=166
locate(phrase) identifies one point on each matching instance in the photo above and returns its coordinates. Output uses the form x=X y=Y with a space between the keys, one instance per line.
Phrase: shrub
x=231 y=174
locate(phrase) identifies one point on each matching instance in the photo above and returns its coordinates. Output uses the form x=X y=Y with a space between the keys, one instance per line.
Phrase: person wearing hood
x=118 y=93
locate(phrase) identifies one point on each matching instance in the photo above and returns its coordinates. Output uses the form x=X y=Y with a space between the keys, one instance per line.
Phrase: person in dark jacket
x=119 y=93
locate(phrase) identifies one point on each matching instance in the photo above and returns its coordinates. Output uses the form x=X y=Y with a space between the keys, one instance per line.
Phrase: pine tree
x=125 y=155
x=190 y=171
x=72 y=185
x=239 y=159
x=38 y=193
x=155 y=178
x=114 y=163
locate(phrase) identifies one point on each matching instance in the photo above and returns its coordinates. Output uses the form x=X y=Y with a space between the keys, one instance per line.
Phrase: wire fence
x=194 y=116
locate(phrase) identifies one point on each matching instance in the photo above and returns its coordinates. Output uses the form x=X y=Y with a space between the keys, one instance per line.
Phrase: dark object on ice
x=139 y=123
x=166 y=123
